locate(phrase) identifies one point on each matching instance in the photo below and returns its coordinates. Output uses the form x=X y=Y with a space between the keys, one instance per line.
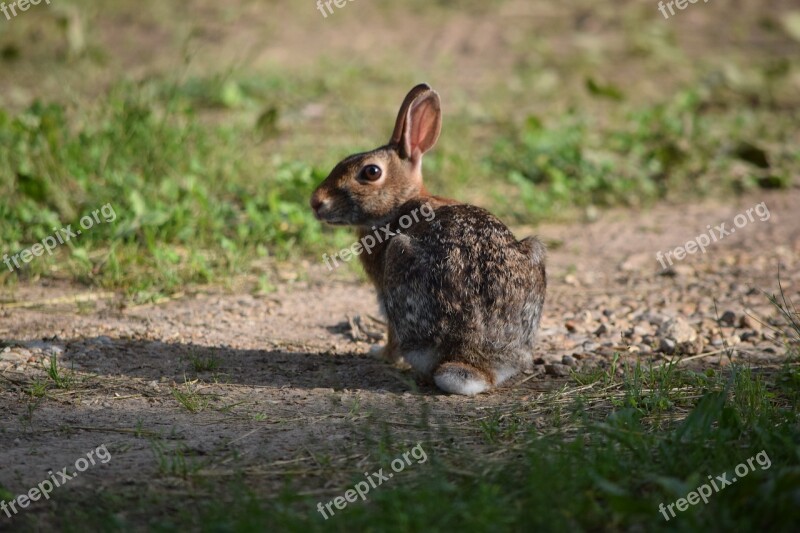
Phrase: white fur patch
x=502 y=373
x=452 y=383
x=423 y=361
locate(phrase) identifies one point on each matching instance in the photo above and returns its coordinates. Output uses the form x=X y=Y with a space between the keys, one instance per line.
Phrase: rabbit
x=461 y=295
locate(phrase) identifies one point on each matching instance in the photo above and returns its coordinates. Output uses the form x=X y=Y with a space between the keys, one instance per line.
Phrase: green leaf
x=267 y=123
x=232 y=95
x=791 y=24
x=604 y=91
x=752 y=153
x=33 y=187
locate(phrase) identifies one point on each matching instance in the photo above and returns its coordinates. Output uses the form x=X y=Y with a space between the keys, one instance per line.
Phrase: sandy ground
x=289 y=387
x=293 y=378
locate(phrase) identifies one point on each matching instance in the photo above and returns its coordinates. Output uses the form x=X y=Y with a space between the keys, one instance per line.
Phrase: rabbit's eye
x=371 y=172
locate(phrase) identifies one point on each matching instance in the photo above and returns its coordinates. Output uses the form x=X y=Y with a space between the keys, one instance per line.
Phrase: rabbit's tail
x=462 y=378
x=535 y=249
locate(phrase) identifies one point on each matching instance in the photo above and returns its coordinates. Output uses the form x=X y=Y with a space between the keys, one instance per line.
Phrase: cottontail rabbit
x=462 y=296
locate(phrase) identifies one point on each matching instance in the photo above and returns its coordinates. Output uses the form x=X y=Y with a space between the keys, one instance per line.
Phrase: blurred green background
x=208 y=124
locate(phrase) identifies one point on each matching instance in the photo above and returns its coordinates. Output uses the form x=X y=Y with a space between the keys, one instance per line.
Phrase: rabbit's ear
x=419 y=123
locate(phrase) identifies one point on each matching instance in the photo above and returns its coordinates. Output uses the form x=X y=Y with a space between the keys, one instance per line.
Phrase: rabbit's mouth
x=327 y=213
x=335 y=222
x=328 y=218
x=332 y=219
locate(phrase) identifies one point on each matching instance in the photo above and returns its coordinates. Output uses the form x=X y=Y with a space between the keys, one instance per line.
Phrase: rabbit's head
x=368 y=188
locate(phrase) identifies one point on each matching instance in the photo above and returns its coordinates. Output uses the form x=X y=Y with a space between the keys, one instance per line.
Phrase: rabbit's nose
x=317 y=204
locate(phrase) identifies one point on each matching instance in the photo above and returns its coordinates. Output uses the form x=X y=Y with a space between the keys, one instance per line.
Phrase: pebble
x=557 y=370
x=748 y=322
x=654 y=318
x=677 y=329
x=667 y=346
x=16 y=356
x=45 y=347
x=590 y=346
x=685 y=337
x=538 y=371
x=733 y=340
x=728 y=318
x=750 y=336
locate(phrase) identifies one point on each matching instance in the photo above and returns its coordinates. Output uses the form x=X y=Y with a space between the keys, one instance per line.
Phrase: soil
x=294 y=379
x=288 y=379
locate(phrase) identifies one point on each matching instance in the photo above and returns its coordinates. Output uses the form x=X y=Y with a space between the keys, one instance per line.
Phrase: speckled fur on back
x=462 y=297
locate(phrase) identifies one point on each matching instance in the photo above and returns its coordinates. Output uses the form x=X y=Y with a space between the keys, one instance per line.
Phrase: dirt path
x=279 y=381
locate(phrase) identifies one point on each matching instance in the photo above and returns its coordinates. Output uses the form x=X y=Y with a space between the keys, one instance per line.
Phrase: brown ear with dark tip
x=419 y=123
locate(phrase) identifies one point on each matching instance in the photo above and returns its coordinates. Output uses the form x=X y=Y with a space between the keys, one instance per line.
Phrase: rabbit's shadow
x=156 y=360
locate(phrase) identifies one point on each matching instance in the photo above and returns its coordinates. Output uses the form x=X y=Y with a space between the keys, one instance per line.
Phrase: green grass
x=173 y=462
x=38 y=389
x=199 y=194
x=57 y=376
x=666 y=150
x=601 y=453
x=209 y=169
x=209 y=175
x=190 y=399
x=607 y=466
x=204 y=364
x=192 y=203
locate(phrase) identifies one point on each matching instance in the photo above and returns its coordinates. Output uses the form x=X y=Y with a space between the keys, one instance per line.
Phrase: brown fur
x=463 y=297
